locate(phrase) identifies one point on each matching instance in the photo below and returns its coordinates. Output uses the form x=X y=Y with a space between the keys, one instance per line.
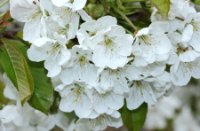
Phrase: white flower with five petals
x=33 y=13
x=80 y=68
x=75 y=98
x=110 y=43
x=53 y=51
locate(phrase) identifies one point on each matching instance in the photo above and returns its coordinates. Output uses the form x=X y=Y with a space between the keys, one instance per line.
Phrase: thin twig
x=125 y=18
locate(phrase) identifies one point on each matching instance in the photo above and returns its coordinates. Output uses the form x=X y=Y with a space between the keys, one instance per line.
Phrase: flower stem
x=125 y=18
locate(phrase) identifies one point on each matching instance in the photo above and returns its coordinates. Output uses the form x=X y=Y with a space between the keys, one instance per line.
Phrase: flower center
x=82 y=60
x=180 y=49
x=138 y=83
x=36 y=14
x=78 y=90
x=64 y=31
x=108 y=43
x=55 y=48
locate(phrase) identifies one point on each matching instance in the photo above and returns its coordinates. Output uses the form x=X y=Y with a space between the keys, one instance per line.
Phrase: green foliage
x=131 y=14
x=196 y=2
x=95 y=10
x=3 y=100
x=43 y=95
x=134 y=120
x=162 y=5
x=16 y=67
x=35 y=84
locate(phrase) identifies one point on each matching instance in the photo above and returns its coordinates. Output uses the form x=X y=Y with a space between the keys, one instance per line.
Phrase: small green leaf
x=16 y=67
x=162 y=5
x=134 y=120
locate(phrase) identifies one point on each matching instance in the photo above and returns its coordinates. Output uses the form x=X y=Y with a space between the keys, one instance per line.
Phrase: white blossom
x=146 y=87
x=112 y=80
x=181 y=122
x=102 y=122
x=110 y=43
x=75 y=98
x=163 y=110
x=104 y=65
x=80 y=68
x=182 y=72
x=63 y=23
x=33 y=13
x=53 y=51
x=102 y=102
x=151 y=45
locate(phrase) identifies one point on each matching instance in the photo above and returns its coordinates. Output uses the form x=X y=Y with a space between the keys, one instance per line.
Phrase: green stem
x=130 y=12
x=125 y=18
x=132 y=7
x=3 y=3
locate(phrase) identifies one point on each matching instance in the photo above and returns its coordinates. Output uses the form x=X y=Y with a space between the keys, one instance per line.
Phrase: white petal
x=59 y=3
x=36 y=54
x=32 y=30
x=124 y=45
x=159 y=27
x=108 y=59
x=68 y=76
x=67 y=104
x=196 y=69
x=180 y=76
x=52 y=67
x=106 y=21
x=8 y=113
x=187 y=33
x=84 y=16
x=195 y=41
x=11 y=93
x=139 y=94
x=83 y=108
x=64 y=56
x=42 y=41
x=22 y=10
x=189 y=56
x=99 y=103
x=78 y=5
x=115 y=101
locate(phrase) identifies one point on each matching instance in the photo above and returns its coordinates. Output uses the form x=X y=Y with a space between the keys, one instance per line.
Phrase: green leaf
x=163 y=6
x=3 y=100
x=16 y=67
x=196 y=2
x=134 y=120
x=43 y=95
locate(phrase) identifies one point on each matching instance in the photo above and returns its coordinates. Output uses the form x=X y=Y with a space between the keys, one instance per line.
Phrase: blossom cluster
x=178 y=108
x=105 y=65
